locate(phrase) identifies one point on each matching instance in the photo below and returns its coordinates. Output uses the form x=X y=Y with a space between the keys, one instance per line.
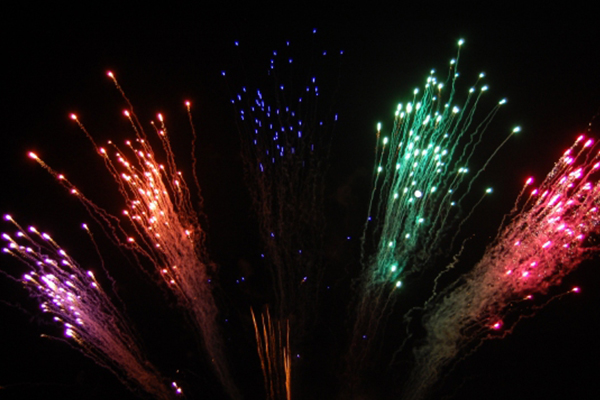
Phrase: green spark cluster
x=422 y=174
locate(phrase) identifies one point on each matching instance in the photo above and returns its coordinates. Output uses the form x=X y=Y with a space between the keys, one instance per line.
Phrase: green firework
x=422 y=175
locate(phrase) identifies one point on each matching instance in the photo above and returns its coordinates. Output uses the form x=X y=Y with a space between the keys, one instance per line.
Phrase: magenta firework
x=546 y=238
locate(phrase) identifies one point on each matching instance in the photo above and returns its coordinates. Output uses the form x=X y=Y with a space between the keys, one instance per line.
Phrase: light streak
x=543 y=242
x=163 y=225
x=286 y=129
x=77 y=301
x=421 y=177
x=273 y=343
x=422 y=168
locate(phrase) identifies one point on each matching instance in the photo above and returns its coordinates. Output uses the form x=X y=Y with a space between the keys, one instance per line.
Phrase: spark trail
x=554 y=231
x=80 y=305
x=163 y=226
x=273 y=340
x=421 y=178
x=286 y=130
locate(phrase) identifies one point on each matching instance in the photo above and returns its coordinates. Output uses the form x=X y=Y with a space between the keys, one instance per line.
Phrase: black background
x=55 y=60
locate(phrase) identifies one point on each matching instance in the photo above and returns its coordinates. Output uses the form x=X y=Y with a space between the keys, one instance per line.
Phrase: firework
x=285 y=138
x=553 y=232
x=421 y=178
x=163 y=226
x=425 y=172
x=89 y=318
x=286 y=129
x=273 y=339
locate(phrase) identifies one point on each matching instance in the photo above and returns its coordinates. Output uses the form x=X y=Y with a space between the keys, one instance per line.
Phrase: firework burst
x=161 y=224
x=421 y=178
x=546 y=238
x=89 y=318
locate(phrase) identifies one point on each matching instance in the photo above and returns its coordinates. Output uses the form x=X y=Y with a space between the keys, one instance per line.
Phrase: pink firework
x=551 y=234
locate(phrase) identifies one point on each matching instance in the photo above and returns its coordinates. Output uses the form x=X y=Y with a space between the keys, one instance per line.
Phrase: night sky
x=56 y=62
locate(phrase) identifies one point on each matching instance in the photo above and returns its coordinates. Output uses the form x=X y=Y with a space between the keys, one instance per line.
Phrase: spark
x=420 y=182
x=544 y=240
x=273 y=341
x=163 y=225
x=76 y=300
x=286 y=132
